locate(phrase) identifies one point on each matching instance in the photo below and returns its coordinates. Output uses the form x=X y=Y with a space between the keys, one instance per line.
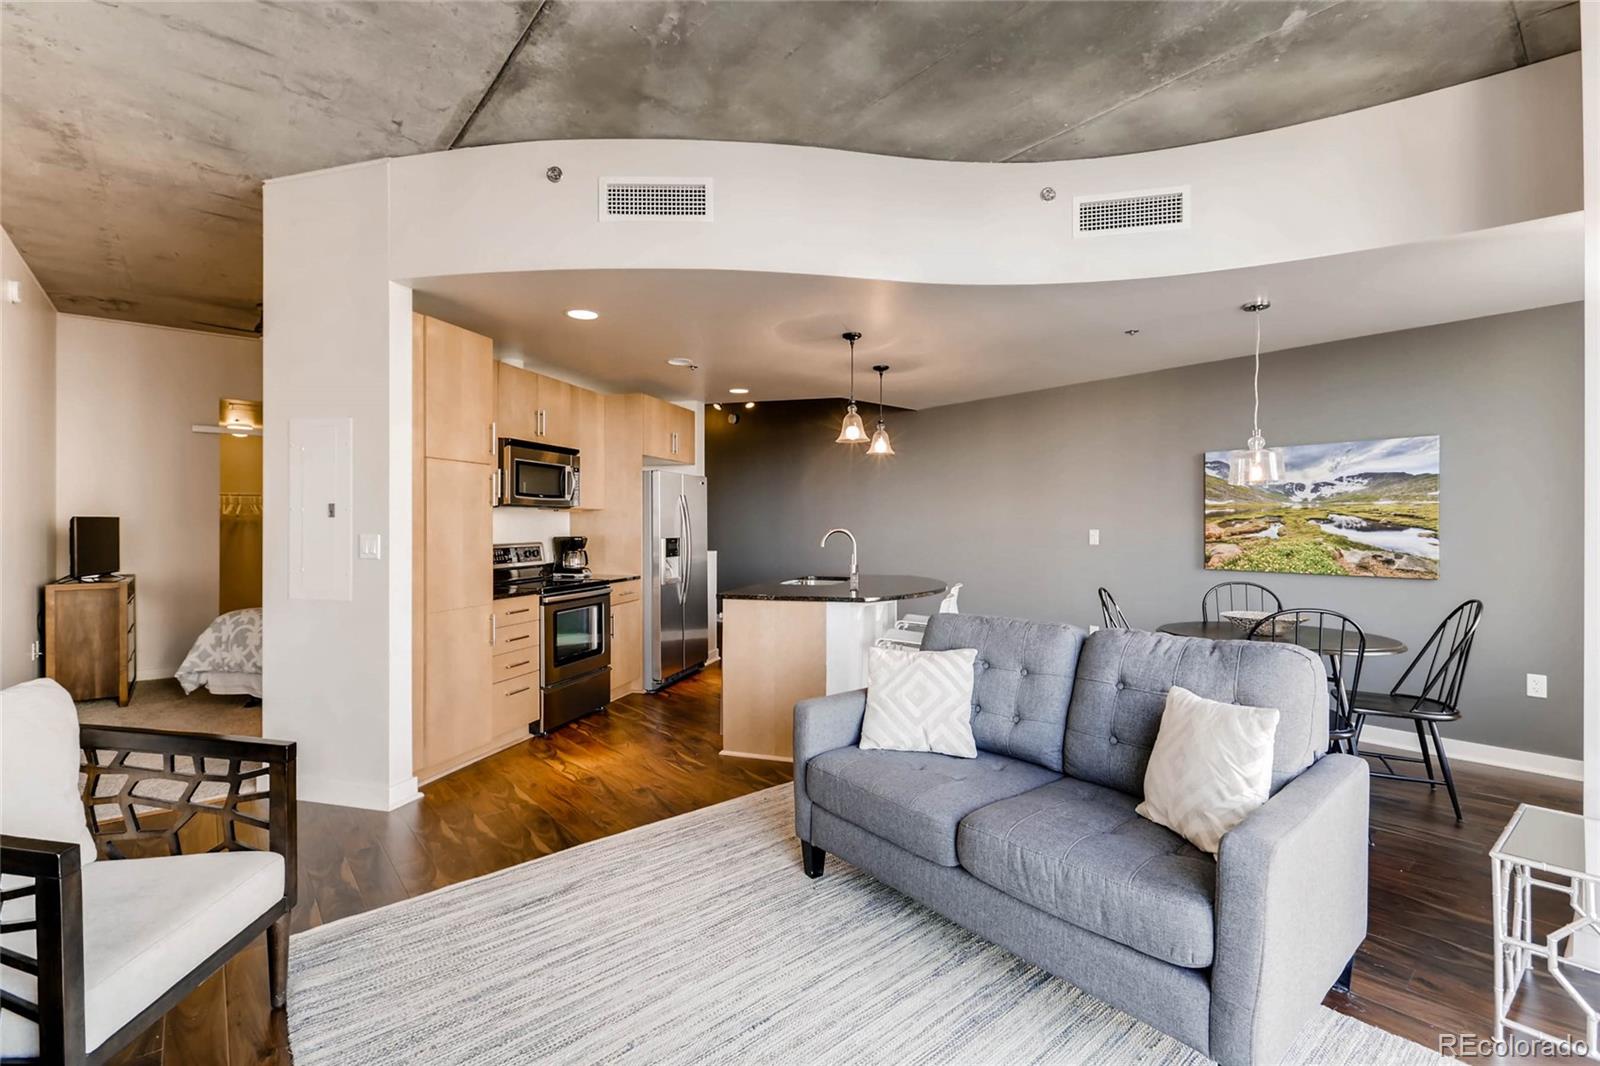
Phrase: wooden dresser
x=90 y=637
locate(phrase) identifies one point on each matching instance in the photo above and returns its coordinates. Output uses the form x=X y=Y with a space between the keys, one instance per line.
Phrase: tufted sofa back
x=1121 y=690
x=1024 y=676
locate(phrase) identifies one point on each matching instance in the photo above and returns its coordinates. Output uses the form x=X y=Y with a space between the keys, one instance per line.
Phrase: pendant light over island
x=851 y=430
x=1257 y=464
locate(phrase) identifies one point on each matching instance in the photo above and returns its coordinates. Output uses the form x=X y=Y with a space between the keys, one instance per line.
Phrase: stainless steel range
x=576 y=675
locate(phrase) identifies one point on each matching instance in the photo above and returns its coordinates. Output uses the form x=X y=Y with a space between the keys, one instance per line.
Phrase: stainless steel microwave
x=537 y=475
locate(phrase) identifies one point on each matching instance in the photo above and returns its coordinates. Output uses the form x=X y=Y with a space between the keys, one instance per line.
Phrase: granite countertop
x=875 y=588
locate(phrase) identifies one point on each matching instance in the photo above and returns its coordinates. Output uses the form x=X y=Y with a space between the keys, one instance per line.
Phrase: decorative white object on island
x=791 y=640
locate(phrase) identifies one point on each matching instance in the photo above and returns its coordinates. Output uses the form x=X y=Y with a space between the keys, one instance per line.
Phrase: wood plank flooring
x=1424 y=970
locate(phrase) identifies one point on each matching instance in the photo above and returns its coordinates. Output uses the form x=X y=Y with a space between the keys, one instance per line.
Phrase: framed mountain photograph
x=1366 y=508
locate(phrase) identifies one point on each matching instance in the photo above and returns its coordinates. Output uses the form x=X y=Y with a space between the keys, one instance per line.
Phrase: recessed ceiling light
x=718 y=406
x=680 y=361
x=749 y=405
x=583 y=316
x=739 y=391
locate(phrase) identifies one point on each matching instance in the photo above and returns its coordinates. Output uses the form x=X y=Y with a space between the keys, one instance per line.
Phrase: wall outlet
x=1538 y=686
x=1094 y=538
x=34 y=652
x=371 y=546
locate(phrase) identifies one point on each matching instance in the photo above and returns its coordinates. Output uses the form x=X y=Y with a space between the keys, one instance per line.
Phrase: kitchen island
x=785 y=641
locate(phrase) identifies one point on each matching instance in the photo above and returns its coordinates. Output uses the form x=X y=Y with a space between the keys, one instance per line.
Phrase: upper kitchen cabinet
x=533 y=407
x=668 y=432
x=591 y=421
x=459 y=390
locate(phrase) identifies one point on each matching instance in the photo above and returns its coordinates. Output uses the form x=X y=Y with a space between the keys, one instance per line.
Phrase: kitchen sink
x=815 y=581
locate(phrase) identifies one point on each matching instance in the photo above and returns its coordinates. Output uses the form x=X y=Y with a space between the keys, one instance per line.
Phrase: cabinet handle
x=494 y=625
x=523 y=663
x=513 y=640
x=518 y=692
x=612 y=632
x=520 y=610
x=494 y=489
x=494 y=437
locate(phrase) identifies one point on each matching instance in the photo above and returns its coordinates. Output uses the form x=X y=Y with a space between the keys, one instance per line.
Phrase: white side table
x=1541 y=841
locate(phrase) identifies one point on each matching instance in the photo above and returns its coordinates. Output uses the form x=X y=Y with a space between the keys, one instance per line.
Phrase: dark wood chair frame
x=1439 y=700
x=56 y=870
x=1110 y=612
x=1240 y=597
x=1310 y=628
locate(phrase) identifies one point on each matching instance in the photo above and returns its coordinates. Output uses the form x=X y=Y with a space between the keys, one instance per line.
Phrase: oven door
x=534 y=478
x=576 y=636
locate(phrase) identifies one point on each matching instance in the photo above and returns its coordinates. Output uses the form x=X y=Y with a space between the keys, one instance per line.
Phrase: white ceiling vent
x=1152 y=209
x=638 y=198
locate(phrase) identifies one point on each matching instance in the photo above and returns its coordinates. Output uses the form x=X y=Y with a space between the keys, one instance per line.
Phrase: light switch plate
x=1538 y=686
x=371 y=546
x=13 y=292
x=1094 y=538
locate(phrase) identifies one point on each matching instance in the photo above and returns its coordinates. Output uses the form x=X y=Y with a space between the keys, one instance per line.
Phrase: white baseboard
x=1532 y=762
x=342 y=792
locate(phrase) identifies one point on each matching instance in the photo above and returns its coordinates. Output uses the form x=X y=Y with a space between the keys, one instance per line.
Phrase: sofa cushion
x=146 y=924
x=915 y=799
x=1023 y=681
x=39 y=758
x=1121 y=689
x=1077 y=850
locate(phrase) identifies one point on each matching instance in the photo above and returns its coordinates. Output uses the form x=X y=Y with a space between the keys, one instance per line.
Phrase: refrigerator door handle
x=688 y=550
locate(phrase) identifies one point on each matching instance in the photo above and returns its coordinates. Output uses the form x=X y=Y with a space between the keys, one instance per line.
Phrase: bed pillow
x=1210 y=767
x=39 y=759
x=920 y=701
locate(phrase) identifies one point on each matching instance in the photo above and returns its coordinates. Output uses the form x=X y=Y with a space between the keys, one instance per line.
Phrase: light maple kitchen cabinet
x=627 y=639
x=458 y=382
x=533 y=407
x=593 y=482
x=458 y=698
x=458 y=534
x=668 y=431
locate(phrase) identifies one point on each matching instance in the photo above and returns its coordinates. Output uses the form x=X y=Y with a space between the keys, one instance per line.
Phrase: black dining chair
x=1110 y=613
x=1332 y=636
x=1237 y=596
x=1435 y=697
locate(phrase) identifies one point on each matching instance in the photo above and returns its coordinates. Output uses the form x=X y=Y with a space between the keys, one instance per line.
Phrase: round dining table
x=1309 y=637
x=1312 y=638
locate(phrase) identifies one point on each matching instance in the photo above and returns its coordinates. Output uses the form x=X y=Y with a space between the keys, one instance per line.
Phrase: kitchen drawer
x=516 y=610
x=624 y=592
x=519 y=662
x=516 y=705
x=523 y=635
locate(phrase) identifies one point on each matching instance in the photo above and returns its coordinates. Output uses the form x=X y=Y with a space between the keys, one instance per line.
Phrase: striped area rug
x=698 y=940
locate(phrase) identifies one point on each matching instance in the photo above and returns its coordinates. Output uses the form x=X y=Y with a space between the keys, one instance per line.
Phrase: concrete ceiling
x=135 y=136
x=778 y=334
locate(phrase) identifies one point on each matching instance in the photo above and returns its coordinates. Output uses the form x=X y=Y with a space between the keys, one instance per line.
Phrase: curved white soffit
x=1484 y=154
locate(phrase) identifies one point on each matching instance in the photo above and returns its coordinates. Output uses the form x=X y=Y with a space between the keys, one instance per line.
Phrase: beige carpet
x=161 y=704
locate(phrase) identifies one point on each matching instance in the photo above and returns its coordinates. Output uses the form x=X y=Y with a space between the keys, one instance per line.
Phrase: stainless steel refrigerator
x=677 y=623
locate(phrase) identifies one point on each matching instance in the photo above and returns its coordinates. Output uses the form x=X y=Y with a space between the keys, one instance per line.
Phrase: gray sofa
x=1035 y=846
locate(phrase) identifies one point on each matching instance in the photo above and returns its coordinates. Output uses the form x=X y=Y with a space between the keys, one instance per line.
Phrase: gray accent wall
x=1001 y=494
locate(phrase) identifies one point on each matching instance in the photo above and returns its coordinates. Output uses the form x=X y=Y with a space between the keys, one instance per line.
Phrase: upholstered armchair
x=121 y=894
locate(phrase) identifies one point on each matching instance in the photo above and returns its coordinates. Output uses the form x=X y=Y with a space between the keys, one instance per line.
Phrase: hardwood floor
x=1424 y=970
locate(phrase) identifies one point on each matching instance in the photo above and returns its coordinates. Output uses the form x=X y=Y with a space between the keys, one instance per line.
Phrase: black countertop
x=875 y=588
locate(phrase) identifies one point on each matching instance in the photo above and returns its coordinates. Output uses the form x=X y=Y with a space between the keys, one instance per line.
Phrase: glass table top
x=1552 y=840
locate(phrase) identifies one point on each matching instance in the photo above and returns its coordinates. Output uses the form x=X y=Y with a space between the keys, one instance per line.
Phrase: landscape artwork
x=1367 y=508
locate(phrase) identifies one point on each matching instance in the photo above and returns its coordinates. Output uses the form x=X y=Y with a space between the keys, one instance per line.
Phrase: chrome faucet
x=855 y=570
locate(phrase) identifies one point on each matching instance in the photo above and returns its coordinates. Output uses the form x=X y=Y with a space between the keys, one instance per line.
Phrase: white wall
x=126 y=396
x=337 y=673
x=1590 y=14
x=27 y=462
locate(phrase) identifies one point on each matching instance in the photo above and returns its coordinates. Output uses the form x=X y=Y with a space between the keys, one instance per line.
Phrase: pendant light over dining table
x=851 y=430
x=1257 y=464
x=880 y=436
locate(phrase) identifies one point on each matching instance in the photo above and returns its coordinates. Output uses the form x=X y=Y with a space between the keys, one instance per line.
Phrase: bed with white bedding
x=226 y=658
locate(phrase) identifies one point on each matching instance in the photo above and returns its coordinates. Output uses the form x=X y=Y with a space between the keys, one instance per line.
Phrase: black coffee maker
x=571 y=557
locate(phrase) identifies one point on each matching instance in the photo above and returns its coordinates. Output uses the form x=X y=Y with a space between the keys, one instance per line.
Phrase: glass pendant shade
x=880 y=442
x=1257 y=464
x=852 y=430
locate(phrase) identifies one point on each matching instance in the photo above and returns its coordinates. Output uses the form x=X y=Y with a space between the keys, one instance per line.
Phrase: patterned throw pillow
x=920 y=701
x=1210 y=767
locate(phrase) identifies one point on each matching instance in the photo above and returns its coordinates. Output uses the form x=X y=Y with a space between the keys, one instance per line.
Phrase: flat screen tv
x=92 y=545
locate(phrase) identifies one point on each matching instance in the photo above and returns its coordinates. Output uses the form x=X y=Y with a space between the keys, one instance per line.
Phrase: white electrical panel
x=320 y=506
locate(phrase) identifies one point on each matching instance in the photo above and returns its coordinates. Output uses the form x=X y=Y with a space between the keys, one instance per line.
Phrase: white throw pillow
x=920 y=701
x=1210 y=767
x=39 y=758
